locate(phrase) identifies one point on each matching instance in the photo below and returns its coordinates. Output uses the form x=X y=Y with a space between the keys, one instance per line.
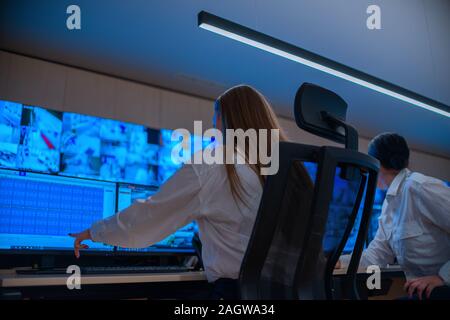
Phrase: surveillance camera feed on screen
x=61 y=171
x=29 y=137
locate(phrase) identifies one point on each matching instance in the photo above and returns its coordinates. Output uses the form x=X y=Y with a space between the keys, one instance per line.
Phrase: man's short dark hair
x=391 y=150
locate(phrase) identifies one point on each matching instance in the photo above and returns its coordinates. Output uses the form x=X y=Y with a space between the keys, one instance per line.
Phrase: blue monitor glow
x=344 y=194
x=181 y=240
x=37 y=211
x=80 y=146
x=40 y=140
x=166 y=166
x=109 y=150
x=29 y=137
x=10 y=116
x=128 y=193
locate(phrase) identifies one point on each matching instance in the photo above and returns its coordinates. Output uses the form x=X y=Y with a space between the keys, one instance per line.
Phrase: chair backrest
x=289 y=255
x=269 y=267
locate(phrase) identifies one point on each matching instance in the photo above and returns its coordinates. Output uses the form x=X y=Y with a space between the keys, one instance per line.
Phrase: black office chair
x=288 y=255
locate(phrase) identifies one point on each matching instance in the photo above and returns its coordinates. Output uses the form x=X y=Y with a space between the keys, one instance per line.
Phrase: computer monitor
x=109 y=149
x=10 y=116
x=128 y=193
x=29 y=137
x=180 y=241
x=37 y=211
x=37 y=139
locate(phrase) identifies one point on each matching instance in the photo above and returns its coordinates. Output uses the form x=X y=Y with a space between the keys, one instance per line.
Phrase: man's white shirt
x=414 y=227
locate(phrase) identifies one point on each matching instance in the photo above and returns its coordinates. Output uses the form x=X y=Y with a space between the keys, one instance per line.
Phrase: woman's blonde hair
x=243 y=107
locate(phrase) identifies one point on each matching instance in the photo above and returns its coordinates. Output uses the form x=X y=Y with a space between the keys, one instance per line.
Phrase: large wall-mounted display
x=70 y=144
x=62 y=171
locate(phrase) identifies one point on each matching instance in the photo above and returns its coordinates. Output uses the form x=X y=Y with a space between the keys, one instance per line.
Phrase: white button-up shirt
x=196 y=192
x=414 y=227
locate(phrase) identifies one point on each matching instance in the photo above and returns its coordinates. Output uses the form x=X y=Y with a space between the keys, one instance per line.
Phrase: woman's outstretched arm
x=145 y=223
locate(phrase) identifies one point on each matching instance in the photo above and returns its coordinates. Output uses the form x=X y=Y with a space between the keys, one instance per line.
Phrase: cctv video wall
x=70 y=144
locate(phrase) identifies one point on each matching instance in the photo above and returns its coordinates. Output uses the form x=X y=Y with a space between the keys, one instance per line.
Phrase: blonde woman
x=222 y=198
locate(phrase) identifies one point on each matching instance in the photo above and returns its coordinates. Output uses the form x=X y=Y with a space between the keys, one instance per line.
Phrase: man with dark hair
x=414 y=225
x=391 y=150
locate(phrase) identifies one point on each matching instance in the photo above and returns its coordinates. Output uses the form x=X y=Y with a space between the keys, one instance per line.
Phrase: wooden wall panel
x=89 y=93
x=137 y=103
x=180 y=111
x=33 y=82
x=5 y=63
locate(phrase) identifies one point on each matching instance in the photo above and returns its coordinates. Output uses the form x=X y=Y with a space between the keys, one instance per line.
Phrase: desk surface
x=389 y=269
x=9 y=278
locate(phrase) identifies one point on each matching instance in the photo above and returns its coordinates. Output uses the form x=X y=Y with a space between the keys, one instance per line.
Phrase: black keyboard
x=109 y=270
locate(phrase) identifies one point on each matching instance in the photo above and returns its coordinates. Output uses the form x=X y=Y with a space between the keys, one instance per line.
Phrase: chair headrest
x=315 y=107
